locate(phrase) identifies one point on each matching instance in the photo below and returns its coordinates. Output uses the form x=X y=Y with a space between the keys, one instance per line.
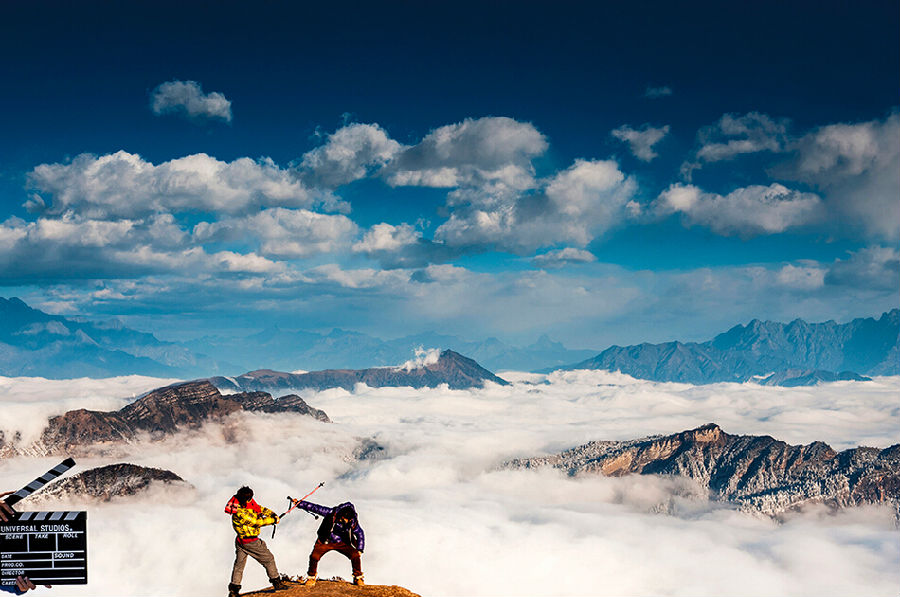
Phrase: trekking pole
x=294 y=504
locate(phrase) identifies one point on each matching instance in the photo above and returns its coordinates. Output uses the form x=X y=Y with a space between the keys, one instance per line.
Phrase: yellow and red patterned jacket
x=246 y=521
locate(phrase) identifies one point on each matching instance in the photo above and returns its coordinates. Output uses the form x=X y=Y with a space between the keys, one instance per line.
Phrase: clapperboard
x=47 y=547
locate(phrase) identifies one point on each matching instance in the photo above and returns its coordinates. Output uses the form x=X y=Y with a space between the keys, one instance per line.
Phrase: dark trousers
x=320 y=549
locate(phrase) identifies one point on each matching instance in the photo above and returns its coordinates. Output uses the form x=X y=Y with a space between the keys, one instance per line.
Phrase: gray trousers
x=256 y=550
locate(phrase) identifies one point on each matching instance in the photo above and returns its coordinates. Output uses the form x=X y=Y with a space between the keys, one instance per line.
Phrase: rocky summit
x=157 y=414
x=106 y=482
x=335 y=588
x=759 y=473
x=450 y=368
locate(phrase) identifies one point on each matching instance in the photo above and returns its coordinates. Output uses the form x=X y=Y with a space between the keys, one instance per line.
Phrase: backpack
x=324 y=532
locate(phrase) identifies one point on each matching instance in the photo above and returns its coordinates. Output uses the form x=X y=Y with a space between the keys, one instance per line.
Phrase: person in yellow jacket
x=246 y=518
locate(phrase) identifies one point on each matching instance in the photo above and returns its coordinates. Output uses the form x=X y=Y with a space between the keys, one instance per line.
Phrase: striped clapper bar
x=53 y=473
x=48 y=547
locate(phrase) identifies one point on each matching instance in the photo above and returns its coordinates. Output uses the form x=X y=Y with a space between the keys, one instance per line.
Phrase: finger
x=23 y=584
x=6 y=512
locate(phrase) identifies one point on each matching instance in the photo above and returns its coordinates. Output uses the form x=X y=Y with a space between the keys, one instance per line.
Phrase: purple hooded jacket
x=333 y=531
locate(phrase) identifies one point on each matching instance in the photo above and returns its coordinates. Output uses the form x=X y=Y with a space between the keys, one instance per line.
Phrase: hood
x=349 y=505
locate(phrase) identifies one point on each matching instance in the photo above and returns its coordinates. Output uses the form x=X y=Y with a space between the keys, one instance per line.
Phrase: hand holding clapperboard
x=46 y=547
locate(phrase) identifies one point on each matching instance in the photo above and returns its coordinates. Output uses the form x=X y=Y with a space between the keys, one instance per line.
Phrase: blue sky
x=602 y=173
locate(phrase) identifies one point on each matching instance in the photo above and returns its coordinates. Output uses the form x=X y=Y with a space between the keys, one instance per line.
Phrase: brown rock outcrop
x=106 y=482
x=158 y=413
x=759 y=473
x=335 y=588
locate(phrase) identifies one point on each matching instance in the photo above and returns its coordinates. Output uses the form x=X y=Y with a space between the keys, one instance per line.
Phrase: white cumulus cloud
x=734 y=135
x=187 y=97
x=642 y=140
x=280 y=232
x=748 y=211
x=573 y=206
x=561 y=257
x=809 y=276
x=872 y=267
x=467 y=152
x=387 y=237
x=855 y=165
x=123 y=184
x=349 y=154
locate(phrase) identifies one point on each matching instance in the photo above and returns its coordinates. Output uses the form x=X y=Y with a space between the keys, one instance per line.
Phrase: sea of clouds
x=442 y=519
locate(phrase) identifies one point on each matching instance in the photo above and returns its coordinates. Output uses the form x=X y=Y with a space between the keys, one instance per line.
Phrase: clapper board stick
x=53 y=473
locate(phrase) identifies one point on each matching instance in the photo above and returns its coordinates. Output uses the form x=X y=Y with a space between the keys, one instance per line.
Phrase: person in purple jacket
x=339 y=531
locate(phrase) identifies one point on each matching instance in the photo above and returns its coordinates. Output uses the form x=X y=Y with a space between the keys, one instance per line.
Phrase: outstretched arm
x=313 y=508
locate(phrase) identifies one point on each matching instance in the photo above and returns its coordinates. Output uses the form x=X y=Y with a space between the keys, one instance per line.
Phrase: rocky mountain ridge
x=811 y=352
x=104 y=483
x=759 y=473
x=450 y=368
x=157 y=414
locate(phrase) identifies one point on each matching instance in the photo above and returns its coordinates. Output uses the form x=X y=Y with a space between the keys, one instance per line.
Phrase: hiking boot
x=234 y=590
x=310 y=581
x=278 y=584
x=358 y=580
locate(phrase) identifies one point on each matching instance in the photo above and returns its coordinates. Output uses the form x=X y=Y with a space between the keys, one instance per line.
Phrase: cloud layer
x=514 y=532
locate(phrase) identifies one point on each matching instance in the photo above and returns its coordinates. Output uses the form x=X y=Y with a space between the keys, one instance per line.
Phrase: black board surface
x=48 y=547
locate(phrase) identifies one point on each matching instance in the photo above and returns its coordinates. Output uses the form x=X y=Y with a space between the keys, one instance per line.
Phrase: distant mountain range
x=34 y=343
x=796 y=353
x=279 y=349
x=449 y=367
x=759 y=473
